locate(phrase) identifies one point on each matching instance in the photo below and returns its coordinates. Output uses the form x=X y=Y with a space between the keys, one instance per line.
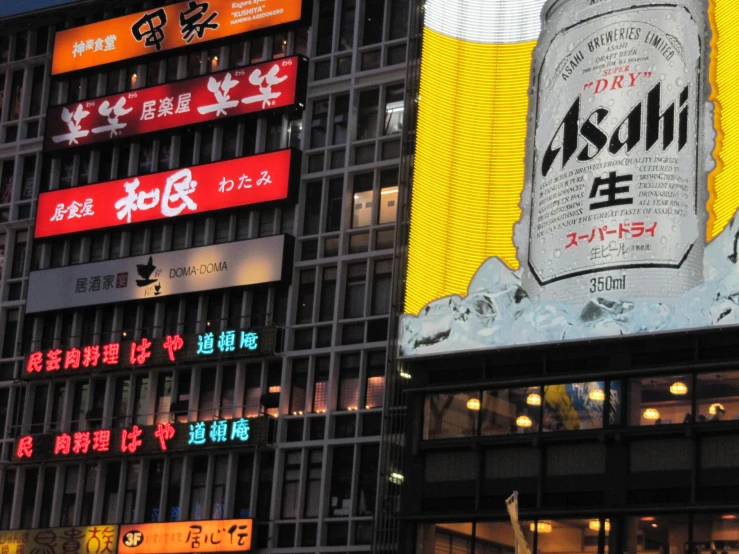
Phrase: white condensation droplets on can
x=619 y=147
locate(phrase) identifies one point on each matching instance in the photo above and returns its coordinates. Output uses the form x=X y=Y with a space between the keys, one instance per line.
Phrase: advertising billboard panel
x=152 y=352
x=96 y=539
x=182 y=537
x=145 y=439
x=165 y=28
x=248 y=262
x=581 y=181
x=266 y=86
x=188 y=191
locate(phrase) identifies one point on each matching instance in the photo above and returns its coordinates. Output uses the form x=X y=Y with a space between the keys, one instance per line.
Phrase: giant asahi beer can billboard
x=593 y=192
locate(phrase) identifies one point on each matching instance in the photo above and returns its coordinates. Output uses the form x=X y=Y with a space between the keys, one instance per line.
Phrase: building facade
x=311 y=388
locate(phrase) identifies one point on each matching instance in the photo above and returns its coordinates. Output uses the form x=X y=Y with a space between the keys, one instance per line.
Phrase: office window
x=252 y=392
x=69 y=494
x=306 y=294
x=27 y=184
x=19 y=254
x=341 y=481
x=290 y=484
x=206 y=410
x=346 y=24
x=319 y=124
x=398 y=19
x=88 y=493
x=129 y=497
x=325 y=30
x=356 y=284
x=6 y=505
x=320 y=385
x=11 y=330
x=174 y=490
x=47 y=496
x=328 y=293
x=81 y=393
x=388 y=196
x=28 y=498
x=341 y=119
x=153 y=490
x=368 y=114
x=197 y=488
x=218 y=495
x=257 y=50
x=111 y=491
x=142 y=389
x=362 y=200
x=16 y=95
x=312 y=211
x=242 y=496
x=313 y=485
x=164 y=396
x=335 y=204
x=381 y=287
x=121 y=401
x=299 y=383
x=394 y=109
x=375 y=386
x=349 y=382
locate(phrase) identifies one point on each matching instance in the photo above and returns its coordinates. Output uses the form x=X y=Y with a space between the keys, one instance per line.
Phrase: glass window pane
x=574 y=406
x=510 y=411
x=656 y=534
x=451 y=415
x=660 y=400
x=718 y=396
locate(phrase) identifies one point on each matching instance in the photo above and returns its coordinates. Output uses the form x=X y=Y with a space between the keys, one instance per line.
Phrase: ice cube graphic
x=498 y=312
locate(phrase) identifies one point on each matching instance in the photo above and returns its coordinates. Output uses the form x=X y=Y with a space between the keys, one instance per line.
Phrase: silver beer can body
x=619 y=147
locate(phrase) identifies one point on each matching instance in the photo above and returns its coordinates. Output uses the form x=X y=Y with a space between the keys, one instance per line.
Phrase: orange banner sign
x=182 y=537
x=165 y=28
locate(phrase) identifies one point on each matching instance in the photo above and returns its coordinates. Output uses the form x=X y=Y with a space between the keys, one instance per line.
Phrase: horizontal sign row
x=194 y=190
x=166 y=28
x=135 y=439
x=179 y=537
x=266 y=86
x=260 y=341
x=249 y=262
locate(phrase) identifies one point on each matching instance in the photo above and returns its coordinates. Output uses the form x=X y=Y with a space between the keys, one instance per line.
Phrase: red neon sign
x=25 y=447
x=199 y=189
x=257 y=88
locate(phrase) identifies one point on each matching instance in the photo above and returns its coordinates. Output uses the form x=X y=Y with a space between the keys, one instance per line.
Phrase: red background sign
x=203 y=188
x=256 y=88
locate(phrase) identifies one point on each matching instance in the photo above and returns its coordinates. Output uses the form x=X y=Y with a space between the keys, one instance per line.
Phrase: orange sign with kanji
x=165 y=28
x=182 y=537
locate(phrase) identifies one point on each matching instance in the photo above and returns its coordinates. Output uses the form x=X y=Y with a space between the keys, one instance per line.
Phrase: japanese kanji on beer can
x=619 y=147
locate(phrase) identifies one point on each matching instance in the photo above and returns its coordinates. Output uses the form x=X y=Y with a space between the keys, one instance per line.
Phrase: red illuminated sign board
x=195 y=190
x=266 y=86
x=258 y=341
x=146 y=439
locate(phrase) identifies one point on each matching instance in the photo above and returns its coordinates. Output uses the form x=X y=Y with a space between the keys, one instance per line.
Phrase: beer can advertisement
x=584 y=169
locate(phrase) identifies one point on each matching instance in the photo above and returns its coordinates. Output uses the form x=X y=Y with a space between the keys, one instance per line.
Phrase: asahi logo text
x=194 y=270
x=655 y=124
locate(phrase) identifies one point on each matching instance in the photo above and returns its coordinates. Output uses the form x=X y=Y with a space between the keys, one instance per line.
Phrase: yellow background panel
x=469 y=163
x=469 y=166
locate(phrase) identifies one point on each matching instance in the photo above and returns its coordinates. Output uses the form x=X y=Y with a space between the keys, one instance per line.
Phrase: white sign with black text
x=219 y=266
